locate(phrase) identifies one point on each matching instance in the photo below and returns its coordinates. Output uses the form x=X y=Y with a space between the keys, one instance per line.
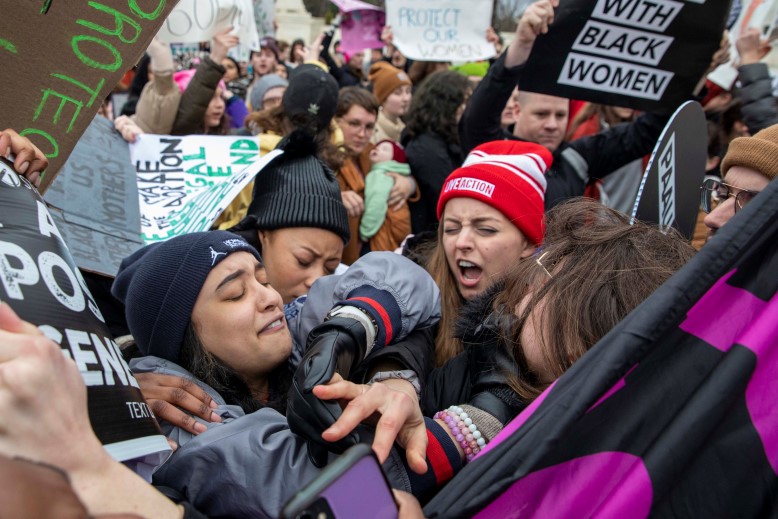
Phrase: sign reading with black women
x=671 y=414
x=644 y=54
x=40 y=280
x=61 y=59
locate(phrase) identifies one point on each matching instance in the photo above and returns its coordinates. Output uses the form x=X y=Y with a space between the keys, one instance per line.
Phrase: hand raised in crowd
x=492 y=36
x=535 y=21
x=28 y=160
x=127 y=128
x=222 y=42
x=313 y=51
x=166 y=393
x=751 y=46
x=400 y=419
x=404 y=187
x=354 y=203
x=387 y=36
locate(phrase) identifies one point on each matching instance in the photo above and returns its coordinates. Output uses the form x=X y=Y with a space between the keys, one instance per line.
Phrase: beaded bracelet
x=463 y=429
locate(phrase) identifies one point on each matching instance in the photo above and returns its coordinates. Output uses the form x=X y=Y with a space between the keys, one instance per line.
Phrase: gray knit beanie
x=264 y=84
x=297 y=189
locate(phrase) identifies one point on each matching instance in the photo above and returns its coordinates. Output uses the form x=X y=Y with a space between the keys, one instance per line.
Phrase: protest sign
x=194 y=21
x=361 y=25
x=441 y=30
x=264 y=17
x=42 y=284
x=61 y=59
x=760 y=14
x=669 y=193
x=184 y=183
x=95 y=200
x=636 y=53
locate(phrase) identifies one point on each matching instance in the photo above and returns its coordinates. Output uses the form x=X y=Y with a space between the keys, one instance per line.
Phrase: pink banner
x=346 y=6
x=361 y=29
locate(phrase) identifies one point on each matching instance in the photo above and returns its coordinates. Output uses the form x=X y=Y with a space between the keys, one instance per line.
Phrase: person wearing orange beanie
x=392 y=88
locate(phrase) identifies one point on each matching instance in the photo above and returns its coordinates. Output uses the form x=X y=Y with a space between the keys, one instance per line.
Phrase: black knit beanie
x=159 y=285
x=297 y=189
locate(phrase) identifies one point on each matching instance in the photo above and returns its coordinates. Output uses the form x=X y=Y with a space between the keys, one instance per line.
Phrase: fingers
x=164 y=411
x=179 y=392
x=415 y=443
x=408 y=507
x=29 y=161
x=11 y=322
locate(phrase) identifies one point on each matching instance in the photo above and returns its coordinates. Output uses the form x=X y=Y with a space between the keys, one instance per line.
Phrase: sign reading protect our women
x=441 y=30
x=40 y=280
x=637 y=53
x=61 y=59
x=185 y=183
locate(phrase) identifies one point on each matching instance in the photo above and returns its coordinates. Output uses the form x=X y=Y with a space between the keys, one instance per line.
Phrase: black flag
x=674 y=413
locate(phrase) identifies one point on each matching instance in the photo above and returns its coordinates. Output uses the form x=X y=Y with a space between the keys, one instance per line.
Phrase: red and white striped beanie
x=509 y=176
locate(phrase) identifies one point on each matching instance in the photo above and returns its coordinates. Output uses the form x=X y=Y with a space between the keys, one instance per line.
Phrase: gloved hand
x=491 y=364
x=335 y=346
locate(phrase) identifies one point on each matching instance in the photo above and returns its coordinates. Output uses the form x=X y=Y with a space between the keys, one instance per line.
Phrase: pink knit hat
x=183 y=77
x=509 y=176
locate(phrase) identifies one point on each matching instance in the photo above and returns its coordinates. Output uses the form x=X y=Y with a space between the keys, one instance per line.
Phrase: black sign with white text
x=669 y=193
x=40 y=281
x=637 y=53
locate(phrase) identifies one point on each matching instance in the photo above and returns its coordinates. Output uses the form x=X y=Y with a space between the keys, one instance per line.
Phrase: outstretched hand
x=165 y=394
x=400 y=416
x=535 y=21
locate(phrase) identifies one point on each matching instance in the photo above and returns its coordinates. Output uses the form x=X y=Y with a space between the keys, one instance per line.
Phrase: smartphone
x=352 y=486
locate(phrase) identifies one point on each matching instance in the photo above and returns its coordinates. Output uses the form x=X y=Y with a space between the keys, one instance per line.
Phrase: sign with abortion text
x=61 y=59
x=441 y=30
x=185 y=183
x=194 y=21
x=637 y=53
x=41 y=282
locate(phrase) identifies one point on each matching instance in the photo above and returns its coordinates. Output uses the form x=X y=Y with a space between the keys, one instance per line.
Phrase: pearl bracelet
x=463 y=429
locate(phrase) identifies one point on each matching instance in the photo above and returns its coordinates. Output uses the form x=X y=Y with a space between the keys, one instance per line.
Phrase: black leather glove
x=335 y=346
x=491 y=364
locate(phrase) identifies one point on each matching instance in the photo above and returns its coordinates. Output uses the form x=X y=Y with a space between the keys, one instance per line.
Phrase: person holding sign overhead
x=543 y=118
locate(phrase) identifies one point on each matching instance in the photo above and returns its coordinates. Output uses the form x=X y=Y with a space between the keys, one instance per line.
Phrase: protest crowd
x=432 y=260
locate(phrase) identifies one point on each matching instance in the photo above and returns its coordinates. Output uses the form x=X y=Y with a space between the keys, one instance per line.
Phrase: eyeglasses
x=359 y=126
x=538 y=260
x=714 y=192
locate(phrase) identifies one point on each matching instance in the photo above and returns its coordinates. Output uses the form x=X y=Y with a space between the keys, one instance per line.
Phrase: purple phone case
x=361 y=492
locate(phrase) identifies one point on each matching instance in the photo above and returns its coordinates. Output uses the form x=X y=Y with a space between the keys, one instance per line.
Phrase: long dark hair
x=435 y=104
x=208 y=368
x=600 y=268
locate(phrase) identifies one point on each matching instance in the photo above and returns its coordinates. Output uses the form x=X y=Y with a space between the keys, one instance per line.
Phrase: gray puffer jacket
x=249 y=465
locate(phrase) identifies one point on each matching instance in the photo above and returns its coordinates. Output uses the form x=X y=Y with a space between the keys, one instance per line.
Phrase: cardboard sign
x=42 y=284
x=95 y=200
x=441 y=30
x=193 y=21
x=185 y=183
x=636 y=53
x=669 y=193
x=61 y=59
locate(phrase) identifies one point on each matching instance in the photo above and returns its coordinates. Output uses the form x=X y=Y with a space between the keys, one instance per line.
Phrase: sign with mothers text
x=40 y=280
x=184 y=183
x=61 y=59
x=441 y=30
x=637 y=53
